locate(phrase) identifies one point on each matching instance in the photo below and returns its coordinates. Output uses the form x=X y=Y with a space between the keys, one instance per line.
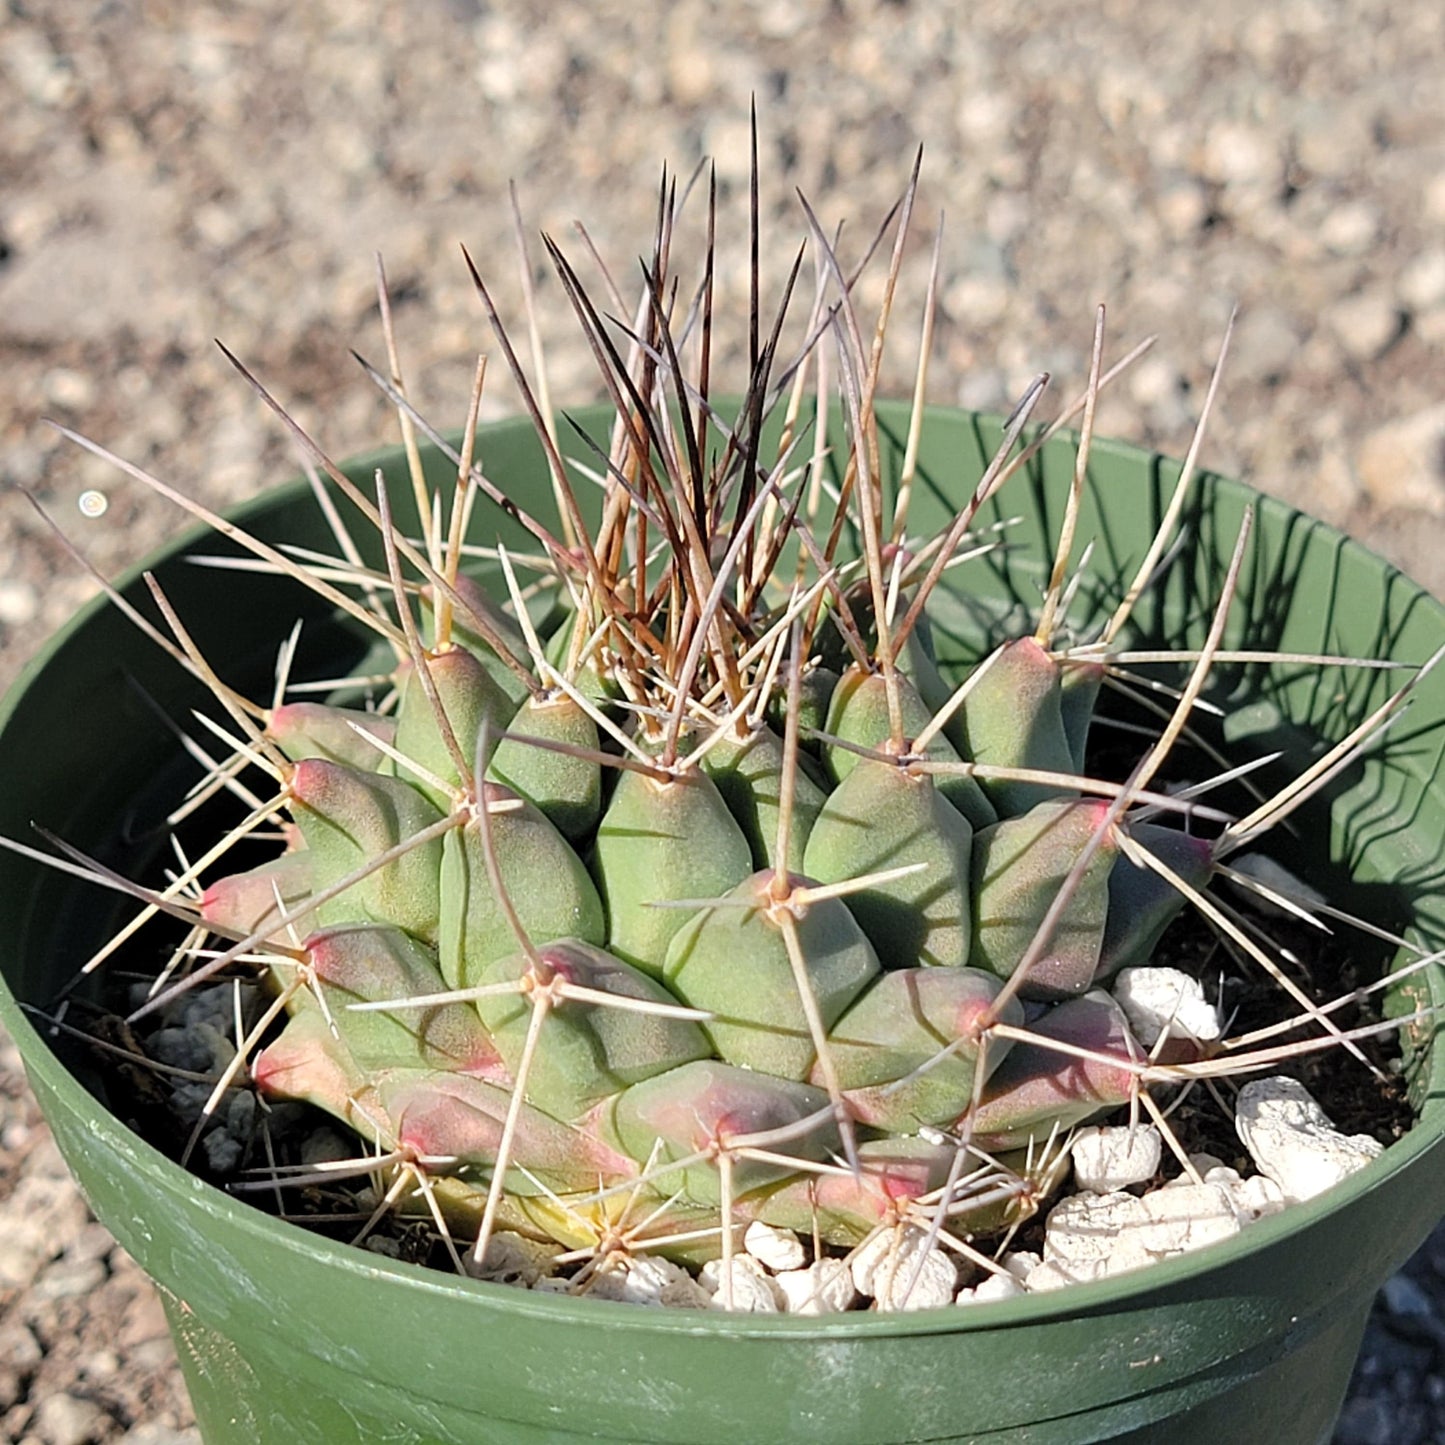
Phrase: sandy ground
x=171 y=173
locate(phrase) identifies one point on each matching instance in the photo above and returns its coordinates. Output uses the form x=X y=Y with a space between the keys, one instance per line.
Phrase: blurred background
x=171 y=173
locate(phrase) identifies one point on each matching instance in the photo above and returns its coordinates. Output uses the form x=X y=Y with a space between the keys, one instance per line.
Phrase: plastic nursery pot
x=286 y=1336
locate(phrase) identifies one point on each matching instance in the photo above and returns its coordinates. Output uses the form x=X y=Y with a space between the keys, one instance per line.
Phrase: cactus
x=672 y=874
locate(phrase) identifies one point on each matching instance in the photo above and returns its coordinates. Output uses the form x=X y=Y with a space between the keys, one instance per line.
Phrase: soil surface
x=172 y=173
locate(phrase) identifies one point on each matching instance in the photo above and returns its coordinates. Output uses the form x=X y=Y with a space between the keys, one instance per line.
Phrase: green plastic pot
x=285 y=1336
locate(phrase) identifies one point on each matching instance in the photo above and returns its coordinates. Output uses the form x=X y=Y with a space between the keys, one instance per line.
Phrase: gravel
x=175 y=173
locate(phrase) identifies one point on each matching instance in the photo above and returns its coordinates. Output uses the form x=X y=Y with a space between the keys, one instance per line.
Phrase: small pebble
x=1183 y=207
x=1238 y=154
x=776 y=1249
x=1364 y=324
x=1405 y=1298
x=1429 y=326
x=68 y=1420
x=1421 y=285
x=685 y=1294
x=991 y=1287
x=1093 y=1232
x=1156 y=1000
x=1292 y=1141
x=199 y=1047
x=223 y=1153
x=1253 y=1198
x=1109 y=1234
x=159 y=1435
x=95 y=1241
x=64 y=387
x=325 y=1146
x=99 y=1364
x=1402 y=463
x=1021 y=1264
x=1052 y=1275
x=18 y=1347
x=1106 y=1159
x=67 y=1278
x=19 y=602
x=754 y=1291
x=825 y=1287
x=1187 y=1218
x=1351 y=229
x=640 y=1280
x=1266 y=343
x=898 y=1271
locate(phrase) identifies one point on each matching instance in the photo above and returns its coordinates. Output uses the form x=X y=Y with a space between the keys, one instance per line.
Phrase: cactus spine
x=676 y=875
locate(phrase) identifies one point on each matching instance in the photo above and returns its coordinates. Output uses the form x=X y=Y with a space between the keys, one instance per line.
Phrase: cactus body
x=653 y=889
x=707 y=891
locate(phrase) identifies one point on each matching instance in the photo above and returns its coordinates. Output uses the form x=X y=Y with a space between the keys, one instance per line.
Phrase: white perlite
x=1252 y=1198
x=824 y=1288
x=1053 y=1276
x=647 y=1280
x=1021 y=1264
x=1106 y=1159
x=1093 y=1236
x=1292 y=1141
x=990 y=1287
x=774 y=1248
x=899 y=1271
x=753 y=1290
x=1156 y=1000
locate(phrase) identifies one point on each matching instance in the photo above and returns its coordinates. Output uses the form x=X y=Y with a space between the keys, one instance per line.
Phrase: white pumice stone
x=1049 y=1275
x=899 y=1271
x=1106 y=1159
x=990 y=1287
x=1021 y=1263
x=825 y=1287
x=1099 y=1235
x=1156 y=1000
x=754 y=1290
x=1094 y=1233
x=642 y=1280
x=1292 y=1141
x=776 y=1249
x=1187 y=1218
x=1253 y=1198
